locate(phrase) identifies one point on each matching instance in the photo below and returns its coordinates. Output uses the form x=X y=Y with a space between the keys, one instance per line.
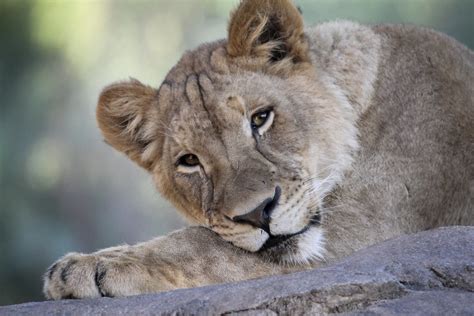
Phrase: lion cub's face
x=241 y=135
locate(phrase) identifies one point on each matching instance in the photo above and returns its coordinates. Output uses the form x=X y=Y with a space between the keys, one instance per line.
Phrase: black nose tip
x=260 y=216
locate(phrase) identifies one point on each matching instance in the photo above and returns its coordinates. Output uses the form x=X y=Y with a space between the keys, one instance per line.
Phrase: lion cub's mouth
x=274 y=241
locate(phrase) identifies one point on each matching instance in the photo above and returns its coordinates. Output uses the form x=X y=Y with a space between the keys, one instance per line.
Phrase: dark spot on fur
x=99 y=277
x=51 y=270
x=315 y=219
x=66 y=269
x=70 y=297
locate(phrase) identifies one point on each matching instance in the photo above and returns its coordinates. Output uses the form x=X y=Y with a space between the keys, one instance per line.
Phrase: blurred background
x=61 y=187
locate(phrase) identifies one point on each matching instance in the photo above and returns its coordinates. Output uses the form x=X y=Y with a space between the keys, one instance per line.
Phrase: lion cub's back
x=419 y=129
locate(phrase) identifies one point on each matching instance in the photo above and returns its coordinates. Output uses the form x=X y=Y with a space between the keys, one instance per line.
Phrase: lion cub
x=288 y=148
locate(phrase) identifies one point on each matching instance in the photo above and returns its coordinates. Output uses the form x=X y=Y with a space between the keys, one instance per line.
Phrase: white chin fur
x=251 y=242
x=310 y=247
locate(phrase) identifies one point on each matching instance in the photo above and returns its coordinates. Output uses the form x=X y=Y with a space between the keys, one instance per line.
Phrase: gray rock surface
x=429 y=273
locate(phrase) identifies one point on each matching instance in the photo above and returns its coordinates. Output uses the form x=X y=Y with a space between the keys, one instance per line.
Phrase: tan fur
x=250 y=23
x=372 y=136
x=124 y=113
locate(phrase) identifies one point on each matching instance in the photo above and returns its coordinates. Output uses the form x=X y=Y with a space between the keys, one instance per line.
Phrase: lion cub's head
x=242 y=136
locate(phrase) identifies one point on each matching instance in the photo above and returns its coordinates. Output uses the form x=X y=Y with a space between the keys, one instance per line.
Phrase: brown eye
x=188 y=160
x=258 y=119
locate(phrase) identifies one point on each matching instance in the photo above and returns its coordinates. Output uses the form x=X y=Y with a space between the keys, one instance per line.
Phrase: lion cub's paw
x=73 y=276
x=87 y=276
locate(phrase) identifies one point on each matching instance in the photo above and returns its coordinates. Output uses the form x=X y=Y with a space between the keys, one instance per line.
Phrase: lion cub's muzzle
x=260 y=216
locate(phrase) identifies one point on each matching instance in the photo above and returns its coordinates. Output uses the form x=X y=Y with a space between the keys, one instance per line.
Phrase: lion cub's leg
x=186 y=258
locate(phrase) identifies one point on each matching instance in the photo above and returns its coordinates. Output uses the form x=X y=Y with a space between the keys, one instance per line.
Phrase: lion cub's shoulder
x=346 y=56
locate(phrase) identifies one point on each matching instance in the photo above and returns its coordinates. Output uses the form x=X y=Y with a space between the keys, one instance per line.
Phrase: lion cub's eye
x=188 y=163
x=189 y=160
x=261 y=121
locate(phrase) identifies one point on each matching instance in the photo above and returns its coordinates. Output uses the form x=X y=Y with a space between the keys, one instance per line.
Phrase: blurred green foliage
x=61 y=188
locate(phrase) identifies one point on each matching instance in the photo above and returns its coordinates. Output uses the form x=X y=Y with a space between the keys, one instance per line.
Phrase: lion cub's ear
x=268 y=30
x=125 y=113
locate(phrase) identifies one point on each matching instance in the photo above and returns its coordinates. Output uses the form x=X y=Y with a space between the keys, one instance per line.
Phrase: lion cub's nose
x=260 y=216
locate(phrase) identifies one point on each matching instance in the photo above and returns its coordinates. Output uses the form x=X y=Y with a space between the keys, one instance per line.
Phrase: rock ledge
x=429 y=273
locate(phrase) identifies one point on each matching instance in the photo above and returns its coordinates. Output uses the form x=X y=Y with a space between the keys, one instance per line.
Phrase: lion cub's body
x=397 y=158
x=415 y=166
